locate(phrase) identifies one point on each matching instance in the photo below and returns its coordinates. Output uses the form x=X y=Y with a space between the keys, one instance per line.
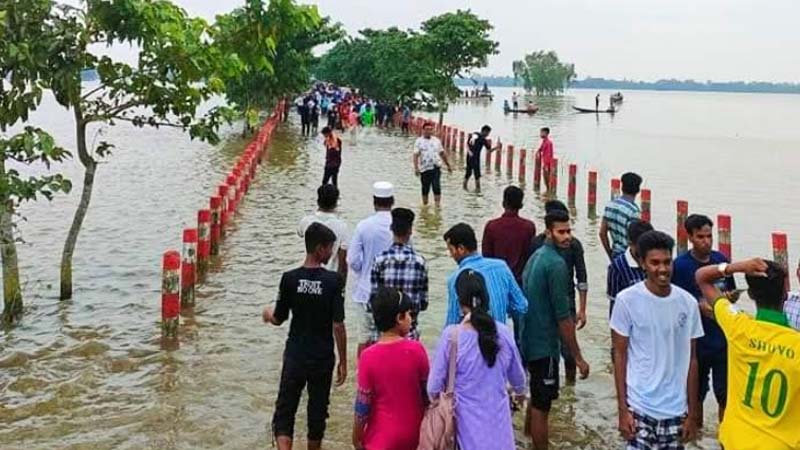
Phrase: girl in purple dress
x=487 y=360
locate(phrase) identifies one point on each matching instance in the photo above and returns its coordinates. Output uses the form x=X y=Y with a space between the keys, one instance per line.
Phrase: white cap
x=383 y=189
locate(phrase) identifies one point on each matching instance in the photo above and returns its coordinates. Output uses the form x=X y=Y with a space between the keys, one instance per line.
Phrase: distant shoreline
x=660 y=85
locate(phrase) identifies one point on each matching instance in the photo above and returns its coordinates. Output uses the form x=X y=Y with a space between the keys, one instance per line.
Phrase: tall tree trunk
x=12 y=294
x=90 y=166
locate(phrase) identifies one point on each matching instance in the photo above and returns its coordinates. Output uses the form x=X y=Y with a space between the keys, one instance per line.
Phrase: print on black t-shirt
x=315 y=298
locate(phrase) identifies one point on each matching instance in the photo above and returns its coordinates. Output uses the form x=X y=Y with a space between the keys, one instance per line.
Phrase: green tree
x=543 y=72
x=174 y=74
x=273 y=46
x=25 y=36
x=386 y=65
x=456 y=43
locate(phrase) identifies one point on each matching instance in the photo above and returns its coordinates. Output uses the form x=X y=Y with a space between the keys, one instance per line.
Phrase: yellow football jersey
x=763 y=410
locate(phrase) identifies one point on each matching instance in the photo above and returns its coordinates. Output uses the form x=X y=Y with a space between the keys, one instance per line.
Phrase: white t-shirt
x=428 y=151
x=660 y=332
x=339 y=228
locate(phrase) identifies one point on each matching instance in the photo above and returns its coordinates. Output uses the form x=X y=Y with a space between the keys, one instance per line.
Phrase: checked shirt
x=402 y=268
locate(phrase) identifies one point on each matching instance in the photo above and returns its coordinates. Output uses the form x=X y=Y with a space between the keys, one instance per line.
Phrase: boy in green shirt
x=546 y=283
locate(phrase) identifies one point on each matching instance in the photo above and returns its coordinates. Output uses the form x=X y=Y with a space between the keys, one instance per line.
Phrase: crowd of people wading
x=677 y=333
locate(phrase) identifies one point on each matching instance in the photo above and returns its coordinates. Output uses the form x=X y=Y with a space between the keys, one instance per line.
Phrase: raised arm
x=706 y=276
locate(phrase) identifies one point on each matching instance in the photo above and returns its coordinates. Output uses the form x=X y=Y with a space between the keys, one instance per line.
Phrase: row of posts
x=453 y=140
x=182 y=272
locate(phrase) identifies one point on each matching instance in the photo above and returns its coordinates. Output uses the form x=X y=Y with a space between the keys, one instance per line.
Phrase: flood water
x=89 y=373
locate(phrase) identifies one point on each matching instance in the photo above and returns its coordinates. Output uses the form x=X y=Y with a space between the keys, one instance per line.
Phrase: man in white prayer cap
x=371 y=237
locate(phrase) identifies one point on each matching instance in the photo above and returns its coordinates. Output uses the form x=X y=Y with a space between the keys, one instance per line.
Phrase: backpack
x=438 y=428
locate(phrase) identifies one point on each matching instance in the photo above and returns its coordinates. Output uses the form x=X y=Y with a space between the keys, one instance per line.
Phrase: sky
x=719 y=40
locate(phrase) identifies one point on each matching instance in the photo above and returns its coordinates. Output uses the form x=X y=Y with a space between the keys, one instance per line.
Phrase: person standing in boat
x=597 y=102
x=515 y=100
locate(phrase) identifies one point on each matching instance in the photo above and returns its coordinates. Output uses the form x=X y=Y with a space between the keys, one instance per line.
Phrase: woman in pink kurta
x=392 y=375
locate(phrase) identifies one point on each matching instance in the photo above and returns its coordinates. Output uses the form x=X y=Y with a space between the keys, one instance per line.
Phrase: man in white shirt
x=372 y=237
x=792 y=305
x=655 y=326
x=428 y=157
x=327 y=200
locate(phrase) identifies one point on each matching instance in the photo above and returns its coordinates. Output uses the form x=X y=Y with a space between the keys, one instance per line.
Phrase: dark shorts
x=544 y=382
x=714 y=366
x=653 y=433
x=473 y=168
x=431 y=180
x=316 y=377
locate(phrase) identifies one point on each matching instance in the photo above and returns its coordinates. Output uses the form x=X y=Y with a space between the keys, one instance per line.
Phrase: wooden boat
x=521 y=111
x=594 y=111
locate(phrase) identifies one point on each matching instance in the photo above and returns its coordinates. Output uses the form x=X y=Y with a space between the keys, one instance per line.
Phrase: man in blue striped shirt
x=624 y=270
x=505 y=294
x=618 y=215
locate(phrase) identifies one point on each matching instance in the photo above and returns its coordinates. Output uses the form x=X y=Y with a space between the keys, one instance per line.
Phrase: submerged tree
x=543 y=73
x=386 y=65
x=455 y=43
x=272 y=45
x=25 y=36
x=174 y=74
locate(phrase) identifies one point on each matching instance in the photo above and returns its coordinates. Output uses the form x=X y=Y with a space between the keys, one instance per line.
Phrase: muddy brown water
x=89 y=373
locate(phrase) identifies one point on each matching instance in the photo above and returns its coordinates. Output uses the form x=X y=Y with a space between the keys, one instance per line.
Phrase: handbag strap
x=451 y=369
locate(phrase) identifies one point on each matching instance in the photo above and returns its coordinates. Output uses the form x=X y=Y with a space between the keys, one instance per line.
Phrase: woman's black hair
x=386 y=304
x=472 y=293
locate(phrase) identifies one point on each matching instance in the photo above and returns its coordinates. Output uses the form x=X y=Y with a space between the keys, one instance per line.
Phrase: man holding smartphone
x=712 y=348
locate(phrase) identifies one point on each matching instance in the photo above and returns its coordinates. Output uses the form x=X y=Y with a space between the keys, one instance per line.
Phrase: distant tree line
x=660 y=85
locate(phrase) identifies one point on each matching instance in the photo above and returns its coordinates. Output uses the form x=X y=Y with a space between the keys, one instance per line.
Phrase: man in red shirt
x=545 y=155
x=510 y=238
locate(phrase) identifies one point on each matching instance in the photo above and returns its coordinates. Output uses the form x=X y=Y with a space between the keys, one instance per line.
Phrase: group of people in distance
x=347 y=109
x=674 y=324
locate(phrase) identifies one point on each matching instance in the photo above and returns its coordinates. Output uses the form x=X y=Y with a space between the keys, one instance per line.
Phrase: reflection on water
x=89 y=374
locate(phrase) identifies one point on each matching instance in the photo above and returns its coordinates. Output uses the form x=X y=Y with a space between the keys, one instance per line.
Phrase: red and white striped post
x=188 y=267
x=170 y=294
x=724 y=235
x=616 y=187
x=683 y=236
x=537 y=172
x=233 y=196
x=215 y=205
x=203 y=243
x=224 y=216
x=780 y=252
x=510 y=160
x=553 y=188
x=572 y=187
x=646 y=207
x=522 y=169
x=498 y=155
x=592 y=194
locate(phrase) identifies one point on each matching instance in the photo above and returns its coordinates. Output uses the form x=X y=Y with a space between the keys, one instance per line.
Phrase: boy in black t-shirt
x=315 y=298
x=477 y=141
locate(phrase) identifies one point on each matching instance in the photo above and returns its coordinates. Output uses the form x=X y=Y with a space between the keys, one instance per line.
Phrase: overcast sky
x=635 y=39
